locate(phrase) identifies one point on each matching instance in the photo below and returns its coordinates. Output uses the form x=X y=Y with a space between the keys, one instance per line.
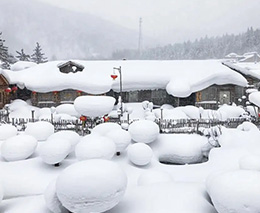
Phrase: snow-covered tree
x=38 y=56
x=4 y=54
x=22 y=56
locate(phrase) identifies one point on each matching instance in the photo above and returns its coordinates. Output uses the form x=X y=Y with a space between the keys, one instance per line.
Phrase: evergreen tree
x=4 y=54
x=22 y=56
x=38 y=56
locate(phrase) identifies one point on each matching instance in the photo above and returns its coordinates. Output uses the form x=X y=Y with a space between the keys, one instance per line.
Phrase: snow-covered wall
x=179 y=78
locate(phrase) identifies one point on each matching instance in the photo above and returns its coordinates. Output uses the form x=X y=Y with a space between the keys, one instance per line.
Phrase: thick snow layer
x=175 y=76
x=7 y=131
x=16 y=104
x=144 y=131
x=94 y=106
x=18 y=147
x=1 y=192
x=121 y=138
x=104 y=128
x=181 y=149
x=227 y=111
x=175 y=113
x=91 y=186
x=51 y=199
x=250 y=162
x=255 y=98
x=191 y=111
x=153 y=177
x=67 y=109
x=95 y=146
x=21 y=65
x=140 y=154
x=247 y=126
x=55 y=150
x=69 y=135
x=235 y=191
x=41 y=130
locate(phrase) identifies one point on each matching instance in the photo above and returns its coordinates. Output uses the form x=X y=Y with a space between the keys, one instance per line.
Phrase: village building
x=206 y=83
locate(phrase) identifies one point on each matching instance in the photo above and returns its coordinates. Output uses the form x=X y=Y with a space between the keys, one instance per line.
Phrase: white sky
x=173 y=20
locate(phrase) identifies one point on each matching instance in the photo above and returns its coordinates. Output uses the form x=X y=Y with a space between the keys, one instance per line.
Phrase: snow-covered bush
x=69 y=135
x=67 y=109
x=18 y=147
x=7 y=131
x=250 y=162
x=51 y=199
x=153 y=177
x=247 y=126
x=144 y=131
x=121 y=138
x=91 y=186
x=41 y=130
x=95 y=146
x=191 y=111
x=94 y=106
x=55 y=150
x=140 y=154
x=104 y=128
x=228 y=111
x=235 y=191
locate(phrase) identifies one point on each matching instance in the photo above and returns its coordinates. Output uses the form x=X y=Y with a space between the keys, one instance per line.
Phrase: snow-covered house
x=4 y=91
x=250 y=57
x=233 y=57
x=172 y=82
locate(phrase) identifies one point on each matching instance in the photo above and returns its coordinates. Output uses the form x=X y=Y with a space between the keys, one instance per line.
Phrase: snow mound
x=22 y=65
x=16 y=104
x=140 y=154
x=175 y=113
x=7 y=131
x=191 y=111
x=95 y=146
x=55 y=150
x=250 y=162
x=94 y=106
x=153 y=177
x=18 y=147
x=121 y=138
x=228 y=111
x=91 y=186
x=144 y=131
x=255 y=98
x=247 y=126
x=1 y=193
x=235 y=191
x=69 y=135
x=67 y=109
x=51 y=199
x=181 y=148
x=41 y=130
x=104 y=128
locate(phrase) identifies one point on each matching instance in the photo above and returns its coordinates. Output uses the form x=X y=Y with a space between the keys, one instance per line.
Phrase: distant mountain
x=62 y=33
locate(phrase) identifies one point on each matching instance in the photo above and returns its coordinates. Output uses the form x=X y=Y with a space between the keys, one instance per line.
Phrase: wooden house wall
x=4 y=97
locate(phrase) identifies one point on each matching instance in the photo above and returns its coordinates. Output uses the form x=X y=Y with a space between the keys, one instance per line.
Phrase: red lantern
x=55 y=92
x=83 y=118
x=114 y=76
x=14 y=88
x=34 y=93
x=106 y=119
x=8 y=90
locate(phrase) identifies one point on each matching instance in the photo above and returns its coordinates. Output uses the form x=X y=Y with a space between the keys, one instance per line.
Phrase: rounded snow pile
x=41 y=130
x=69 y=135
x=151 y=177
x=104 y=128
x=67 y=109
x=91 y=186
x=121 y=138
x=55 y=150
x=1 y=193
x=235 y=191
x=250 y=162
x=18 y=147
x=95 y=146
x=144 y=131
x=247 y=126
x=7 y=131
x=94 y=106
x=140 y=154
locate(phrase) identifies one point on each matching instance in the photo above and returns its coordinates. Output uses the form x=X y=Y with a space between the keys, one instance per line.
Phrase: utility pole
x=140 y=37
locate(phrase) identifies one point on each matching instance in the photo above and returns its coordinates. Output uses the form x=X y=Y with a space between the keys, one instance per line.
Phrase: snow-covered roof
x=179 y=78
x=21 y=65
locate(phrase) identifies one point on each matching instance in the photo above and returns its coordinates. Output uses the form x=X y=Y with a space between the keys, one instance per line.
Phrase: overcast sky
x=173 y=20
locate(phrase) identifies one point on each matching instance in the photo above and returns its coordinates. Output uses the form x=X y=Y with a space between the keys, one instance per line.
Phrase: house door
x=224 y=97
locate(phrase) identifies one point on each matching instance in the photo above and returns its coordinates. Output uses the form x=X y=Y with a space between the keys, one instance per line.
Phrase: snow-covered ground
x=135 y=181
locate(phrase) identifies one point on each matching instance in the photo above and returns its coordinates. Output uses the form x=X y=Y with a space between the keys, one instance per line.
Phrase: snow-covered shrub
x=67 y=109
x=140 y=154
x=191 y=111
x=235 y=191
x=7 y=131
x=18 y=147
x=228 y=111
x=55 y=150
x=69 y=135
x=51 y=199
x=181 y=148
x=94 y=106
x=41 y=130
x=144 y=131
x=121 y=138
x=250 y=162
x=153 y=177
x=247 y=126
x=91 y=186
x=16 y=104
x=95 y=146
x=104 y=128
